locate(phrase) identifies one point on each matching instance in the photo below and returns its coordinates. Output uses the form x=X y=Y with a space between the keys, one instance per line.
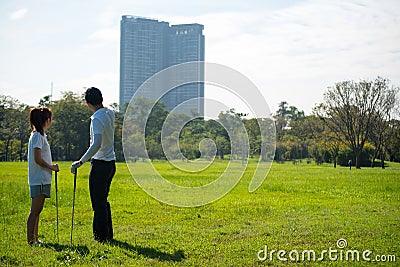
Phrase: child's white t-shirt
x=37 y=175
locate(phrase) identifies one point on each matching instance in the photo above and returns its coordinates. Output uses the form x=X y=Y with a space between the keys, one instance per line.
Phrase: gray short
x=37 y=190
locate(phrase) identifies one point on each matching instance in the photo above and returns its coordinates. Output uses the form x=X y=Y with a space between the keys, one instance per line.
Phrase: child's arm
x=39 y=160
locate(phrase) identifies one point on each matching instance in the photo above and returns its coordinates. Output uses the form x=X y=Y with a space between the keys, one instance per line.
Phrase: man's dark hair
x=93 y=96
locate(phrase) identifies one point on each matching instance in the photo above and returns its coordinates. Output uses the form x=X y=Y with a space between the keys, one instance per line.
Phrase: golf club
x=55 y=176
x=73 y=203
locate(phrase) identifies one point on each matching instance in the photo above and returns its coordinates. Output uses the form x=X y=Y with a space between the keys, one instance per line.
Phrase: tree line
x=357 y=121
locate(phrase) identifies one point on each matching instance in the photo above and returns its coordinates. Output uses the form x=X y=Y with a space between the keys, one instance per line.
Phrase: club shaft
x=73 y=204
x=55 y=177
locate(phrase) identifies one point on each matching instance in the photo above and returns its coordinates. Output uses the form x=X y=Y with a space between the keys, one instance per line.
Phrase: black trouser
x=100 y=177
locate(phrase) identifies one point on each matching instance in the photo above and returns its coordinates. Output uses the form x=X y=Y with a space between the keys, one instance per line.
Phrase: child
x=40 y=168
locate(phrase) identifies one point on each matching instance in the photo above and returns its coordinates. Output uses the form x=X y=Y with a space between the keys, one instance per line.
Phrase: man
x=102 y=156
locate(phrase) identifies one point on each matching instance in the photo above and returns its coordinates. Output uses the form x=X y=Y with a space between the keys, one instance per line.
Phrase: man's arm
x=92 y=150
x=95 y=145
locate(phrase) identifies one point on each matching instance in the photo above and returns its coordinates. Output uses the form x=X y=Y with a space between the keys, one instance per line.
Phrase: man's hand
x=75 y=166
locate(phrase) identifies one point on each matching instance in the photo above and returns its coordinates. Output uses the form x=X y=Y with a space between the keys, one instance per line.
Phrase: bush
x=346 y=154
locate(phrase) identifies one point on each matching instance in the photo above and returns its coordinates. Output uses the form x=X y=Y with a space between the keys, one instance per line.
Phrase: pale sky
x=291 y=50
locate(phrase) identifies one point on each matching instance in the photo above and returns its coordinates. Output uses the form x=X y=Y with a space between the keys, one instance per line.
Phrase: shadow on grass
x=81 y=250
x=149 y=252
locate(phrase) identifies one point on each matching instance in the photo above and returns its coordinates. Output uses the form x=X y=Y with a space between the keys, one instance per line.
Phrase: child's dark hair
x=38 y=117
x=93 y=96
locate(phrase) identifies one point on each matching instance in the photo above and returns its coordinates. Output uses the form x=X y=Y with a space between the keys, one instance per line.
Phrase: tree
x=118 y=124
x=142 y=125
x=253 y=131
x=69 y=133
x=393 y=143
x=14 y=128
x=377 y=136
x=45 y=101
x=281 y=119
x=350 y=109
x=220 y=135
x=233 y=124
x=307 y=129
x=284 y=117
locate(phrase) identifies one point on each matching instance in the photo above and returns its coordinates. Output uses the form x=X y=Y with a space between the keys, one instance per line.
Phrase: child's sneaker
x=37 y=244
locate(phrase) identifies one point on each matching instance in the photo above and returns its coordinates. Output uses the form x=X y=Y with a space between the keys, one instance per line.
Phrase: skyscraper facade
x=149 y=46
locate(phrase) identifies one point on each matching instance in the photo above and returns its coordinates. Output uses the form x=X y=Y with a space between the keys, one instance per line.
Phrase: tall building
x=149 y=46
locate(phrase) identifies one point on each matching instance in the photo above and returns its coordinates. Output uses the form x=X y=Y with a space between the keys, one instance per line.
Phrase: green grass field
x=299 y=207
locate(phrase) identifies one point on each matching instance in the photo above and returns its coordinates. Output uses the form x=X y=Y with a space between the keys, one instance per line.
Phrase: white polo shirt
x=37 y=175
x=103 y=123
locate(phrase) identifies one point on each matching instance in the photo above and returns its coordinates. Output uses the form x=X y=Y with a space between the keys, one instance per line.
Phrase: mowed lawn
x=299 y=207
